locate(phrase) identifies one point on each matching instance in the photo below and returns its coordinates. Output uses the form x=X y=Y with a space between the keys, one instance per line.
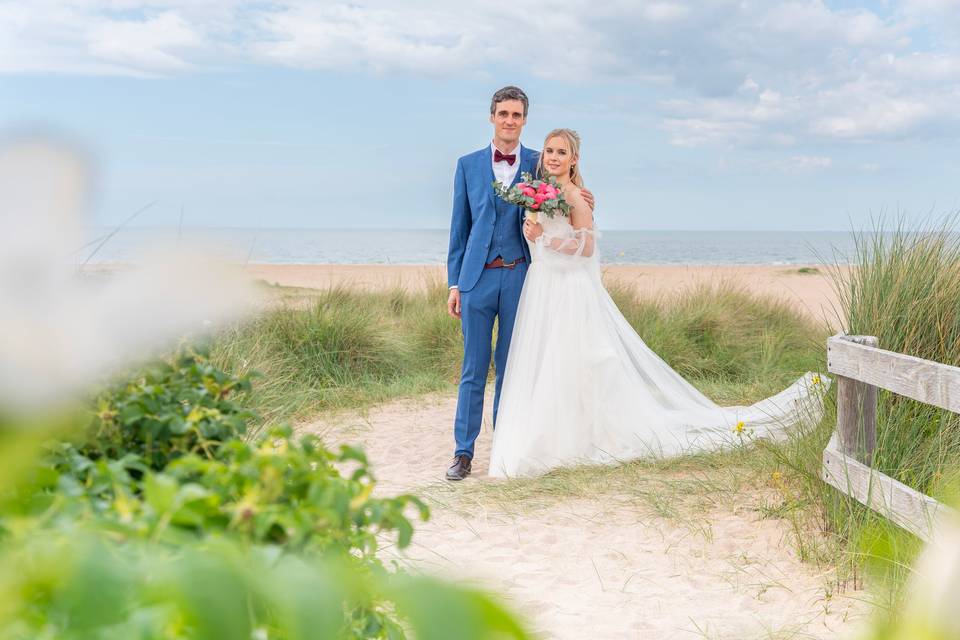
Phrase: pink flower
x=528 y=191
x=534 y=206
x=542 y=187
x=551 y=192
x=540 y=197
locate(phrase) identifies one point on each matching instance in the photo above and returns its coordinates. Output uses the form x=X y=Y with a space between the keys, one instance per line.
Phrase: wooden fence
x=860 y=368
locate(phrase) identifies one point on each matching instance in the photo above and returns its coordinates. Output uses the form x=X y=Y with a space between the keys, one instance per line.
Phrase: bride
x=580 y=385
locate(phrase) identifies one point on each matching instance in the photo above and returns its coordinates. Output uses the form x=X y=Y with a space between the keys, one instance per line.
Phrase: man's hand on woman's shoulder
x=588 y=196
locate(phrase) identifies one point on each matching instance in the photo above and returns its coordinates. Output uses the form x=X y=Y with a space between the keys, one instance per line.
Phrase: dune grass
x=904 y=288
x=906 y=292
x=734 y=346
x=343 y=349
x=350 y=349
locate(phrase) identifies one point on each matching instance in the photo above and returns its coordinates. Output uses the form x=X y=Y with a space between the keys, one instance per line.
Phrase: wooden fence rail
x=860 y=368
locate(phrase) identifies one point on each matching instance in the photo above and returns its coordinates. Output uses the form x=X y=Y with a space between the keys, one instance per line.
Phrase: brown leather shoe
x=460 y=468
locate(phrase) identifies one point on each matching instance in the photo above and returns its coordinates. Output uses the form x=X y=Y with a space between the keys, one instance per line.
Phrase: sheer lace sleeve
x=570 y=241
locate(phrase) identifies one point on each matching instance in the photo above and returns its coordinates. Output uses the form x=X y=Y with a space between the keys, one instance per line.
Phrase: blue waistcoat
x=507 y=241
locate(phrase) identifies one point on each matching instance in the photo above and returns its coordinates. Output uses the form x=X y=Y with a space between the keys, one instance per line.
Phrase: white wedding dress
x=581 y=386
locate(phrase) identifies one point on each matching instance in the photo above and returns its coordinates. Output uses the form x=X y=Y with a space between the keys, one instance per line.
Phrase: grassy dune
x=341 y=348
x=346 y=349
x=905 y=290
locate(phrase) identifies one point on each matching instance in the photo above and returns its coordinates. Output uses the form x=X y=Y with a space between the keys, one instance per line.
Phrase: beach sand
x=811 y=292
x=807 y=288
x=684 y=553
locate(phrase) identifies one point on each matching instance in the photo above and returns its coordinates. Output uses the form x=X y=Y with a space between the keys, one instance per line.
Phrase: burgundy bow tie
x=500 y=157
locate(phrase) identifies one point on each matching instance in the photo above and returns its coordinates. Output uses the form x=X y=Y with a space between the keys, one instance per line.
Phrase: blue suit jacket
x=475 y=214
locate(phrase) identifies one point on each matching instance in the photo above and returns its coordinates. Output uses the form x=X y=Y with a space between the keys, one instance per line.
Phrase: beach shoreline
x=807 y=288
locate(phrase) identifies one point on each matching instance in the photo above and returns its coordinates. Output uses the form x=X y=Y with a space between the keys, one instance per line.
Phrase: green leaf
x=178 y=426
x=352 y=453
x=160 y=492
x=131 y=413
x=433 y=608
x=404 y=533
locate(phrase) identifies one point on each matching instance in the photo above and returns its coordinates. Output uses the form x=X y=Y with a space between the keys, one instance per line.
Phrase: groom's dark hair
x=510 y=93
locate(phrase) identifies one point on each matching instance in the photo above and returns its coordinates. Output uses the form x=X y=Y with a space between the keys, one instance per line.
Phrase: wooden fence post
x=857 y=412
x=860 y=368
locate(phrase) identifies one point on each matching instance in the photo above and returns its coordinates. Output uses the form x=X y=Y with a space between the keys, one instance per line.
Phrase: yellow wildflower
x=815 y=379
x=777 y=477
x=738 y=429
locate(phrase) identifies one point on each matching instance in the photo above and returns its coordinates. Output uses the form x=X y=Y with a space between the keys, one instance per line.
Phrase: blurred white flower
x=59 y=330
x=934 y=590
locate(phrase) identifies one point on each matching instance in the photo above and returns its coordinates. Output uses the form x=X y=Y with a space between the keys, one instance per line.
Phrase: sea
x=429 y=246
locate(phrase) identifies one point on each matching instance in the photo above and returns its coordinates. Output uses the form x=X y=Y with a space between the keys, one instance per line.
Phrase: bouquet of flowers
x=535 y=195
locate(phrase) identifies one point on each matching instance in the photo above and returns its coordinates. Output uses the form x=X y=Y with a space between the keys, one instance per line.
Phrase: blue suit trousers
x=496 y=296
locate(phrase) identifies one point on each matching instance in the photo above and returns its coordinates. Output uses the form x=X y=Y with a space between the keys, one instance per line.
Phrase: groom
x=486 y=263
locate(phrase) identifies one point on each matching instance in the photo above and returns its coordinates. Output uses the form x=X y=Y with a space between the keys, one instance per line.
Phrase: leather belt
x=500 y=264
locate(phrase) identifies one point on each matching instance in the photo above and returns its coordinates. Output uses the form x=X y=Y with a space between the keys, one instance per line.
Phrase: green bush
x=74 y=584
x=171 y=409
x=275 y=490
x=137 y=527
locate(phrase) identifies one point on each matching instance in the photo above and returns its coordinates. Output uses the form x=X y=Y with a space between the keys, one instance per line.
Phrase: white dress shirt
x=502 y=170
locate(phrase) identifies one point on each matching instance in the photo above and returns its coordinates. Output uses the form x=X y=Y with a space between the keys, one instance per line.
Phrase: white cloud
x=798 y=164
x=726 y=72
x=150 y=44
x=692 y=132
x=665 y=11
x=82 y=37
x=926 y=8
x=350 y=37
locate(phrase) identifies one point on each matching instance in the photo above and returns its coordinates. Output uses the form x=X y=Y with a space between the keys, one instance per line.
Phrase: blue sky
x=694 y=115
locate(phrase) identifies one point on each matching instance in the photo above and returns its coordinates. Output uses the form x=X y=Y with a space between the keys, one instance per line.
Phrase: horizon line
x=174 y=227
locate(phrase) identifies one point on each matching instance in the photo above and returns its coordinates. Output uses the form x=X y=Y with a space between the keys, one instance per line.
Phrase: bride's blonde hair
x=573 y=141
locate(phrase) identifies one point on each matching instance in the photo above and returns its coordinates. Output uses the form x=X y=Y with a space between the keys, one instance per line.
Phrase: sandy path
x=664 y=561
